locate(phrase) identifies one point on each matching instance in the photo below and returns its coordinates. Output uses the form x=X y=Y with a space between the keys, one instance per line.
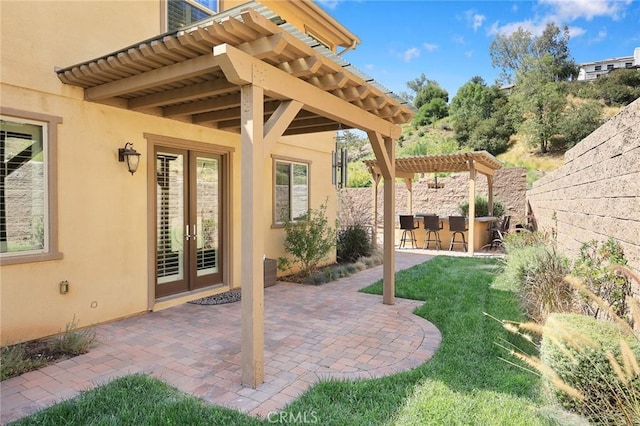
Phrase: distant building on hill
x=593 y=70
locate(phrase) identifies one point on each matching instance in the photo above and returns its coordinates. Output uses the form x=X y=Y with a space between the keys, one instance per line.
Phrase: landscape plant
x=482 y=207
x=308 y=239
x=595 y=267
x=28 y=356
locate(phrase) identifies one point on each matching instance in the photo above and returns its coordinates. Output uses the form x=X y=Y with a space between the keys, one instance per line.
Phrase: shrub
x=596 y=367
x=73 y=341
x=594 y=267
x=482 y=207
x=16 y=361
x=353 y=242
x=308 y=240
x=543 y=289
x=524 y=251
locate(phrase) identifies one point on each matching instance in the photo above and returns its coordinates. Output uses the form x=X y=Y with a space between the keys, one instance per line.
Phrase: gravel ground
x=219 y=299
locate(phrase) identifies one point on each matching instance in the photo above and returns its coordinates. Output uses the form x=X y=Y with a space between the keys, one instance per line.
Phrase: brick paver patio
x=311 y=333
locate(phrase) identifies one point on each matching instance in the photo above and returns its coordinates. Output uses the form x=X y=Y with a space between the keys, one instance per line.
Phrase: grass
x=464 y=383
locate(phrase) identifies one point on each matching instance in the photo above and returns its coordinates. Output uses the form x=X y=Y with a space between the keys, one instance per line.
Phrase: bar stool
x=408 y=224
x=432 y=225
x=457 y=225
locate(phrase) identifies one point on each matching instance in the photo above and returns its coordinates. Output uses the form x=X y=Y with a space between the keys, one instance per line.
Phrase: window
x=610 y=66
x=291 y=190
x=598 y=68
x=27 y=187
x=628 y=64
x=181 y=13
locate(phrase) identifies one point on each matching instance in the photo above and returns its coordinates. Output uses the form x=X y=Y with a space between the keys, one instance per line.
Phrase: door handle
x=195 y=232
x=186 y=235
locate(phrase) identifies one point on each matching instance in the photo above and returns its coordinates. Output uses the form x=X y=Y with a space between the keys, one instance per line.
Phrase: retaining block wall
x=595 y=194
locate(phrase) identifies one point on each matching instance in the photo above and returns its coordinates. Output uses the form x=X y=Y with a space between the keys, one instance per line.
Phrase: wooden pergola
x=247 y=71
x=473 y=162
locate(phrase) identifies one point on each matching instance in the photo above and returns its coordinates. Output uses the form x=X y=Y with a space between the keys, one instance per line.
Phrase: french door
x=188 y=220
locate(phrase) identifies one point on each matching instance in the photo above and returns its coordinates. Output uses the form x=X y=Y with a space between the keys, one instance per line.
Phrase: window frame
x=192 y=3
x=291 y=162
x=51 y=122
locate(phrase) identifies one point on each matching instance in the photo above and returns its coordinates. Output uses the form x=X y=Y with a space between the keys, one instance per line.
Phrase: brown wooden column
x=472 y=207
x=385 y=150
x=252 y=235
x=389 y=268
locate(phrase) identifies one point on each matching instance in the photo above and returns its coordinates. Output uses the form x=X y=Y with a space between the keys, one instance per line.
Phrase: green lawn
x=464 y=383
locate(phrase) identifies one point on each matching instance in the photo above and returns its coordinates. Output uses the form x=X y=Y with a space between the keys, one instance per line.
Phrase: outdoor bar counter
x=482 y=225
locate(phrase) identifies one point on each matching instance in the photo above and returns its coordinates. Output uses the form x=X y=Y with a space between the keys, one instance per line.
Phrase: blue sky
x=449 y=41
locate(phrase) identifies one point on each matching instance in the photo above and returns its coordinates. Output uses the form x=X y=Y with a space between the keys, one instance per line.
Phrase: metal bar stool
x=432 y=226
x=408 y=224
x=457 y=226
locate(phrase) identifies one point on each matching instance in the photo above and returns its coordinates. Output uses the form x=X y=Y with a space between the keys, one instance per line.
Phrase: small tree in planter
x=308 y=240
x=482 y=207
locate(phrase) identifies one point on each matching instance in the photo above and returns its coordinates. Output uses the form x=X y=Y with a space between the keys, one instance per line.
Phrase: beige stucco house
x=231 y=120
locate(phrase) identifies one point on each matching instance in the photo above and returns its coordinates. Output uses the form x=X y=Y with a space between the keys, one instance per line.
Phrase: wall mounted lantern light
x=130 y=155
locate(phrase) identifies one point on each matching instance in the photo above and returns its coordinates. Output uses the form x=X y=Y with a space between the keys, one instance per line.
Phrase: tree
x=509 y=52
x=555 y=42
x=481 y=117
x=430 y=91
x=417 y=84
x=540 y=101
x=514 y=53
x=579 y=121
x=431 y=112
x=619 y=87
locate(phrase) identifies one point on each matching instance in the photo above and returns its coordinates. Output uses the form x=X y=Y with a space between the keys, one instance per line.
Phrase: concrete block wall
x=509 y=188
x=595 y=194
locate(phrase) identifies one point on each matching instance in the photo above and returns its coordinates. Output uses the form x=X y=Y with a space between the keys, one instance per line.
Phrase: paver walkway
x=311 y=333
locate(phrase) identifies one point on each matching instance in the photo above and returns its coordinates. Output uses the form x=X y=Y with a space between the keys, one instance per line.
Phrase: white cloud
x=430 y=47
x=329 y=4
x=410 y=54
x=570 y=10
x=602 y=34
x=474 y=19
x=564 y=12
x=468 y=53
x=458 y=39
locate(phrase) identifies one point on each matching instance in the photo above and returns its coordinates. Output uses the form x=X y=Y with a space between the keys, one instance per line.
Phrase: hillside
x=439 y=138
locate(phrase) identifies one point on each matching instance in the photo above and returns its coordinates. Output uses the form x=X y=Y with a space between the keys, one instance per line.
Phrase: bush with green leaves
x=309 y=239
x=482 y=207
x=595 y=370
x=595 y=267
x=523 y=251
x=354 y=241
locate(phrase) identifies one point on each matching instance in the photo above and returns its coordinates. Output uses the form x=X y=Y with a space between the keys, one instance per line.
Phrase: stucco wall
x=102 y=209
x=595 y=194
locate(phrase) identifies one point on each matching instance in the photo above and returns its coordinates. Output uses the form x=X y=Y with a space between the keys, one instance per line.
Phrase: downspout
x=346 y=49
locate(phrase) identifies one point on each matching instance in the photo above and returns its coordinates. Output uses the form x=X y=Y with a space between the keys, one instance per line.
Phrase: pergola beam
x=241 y=69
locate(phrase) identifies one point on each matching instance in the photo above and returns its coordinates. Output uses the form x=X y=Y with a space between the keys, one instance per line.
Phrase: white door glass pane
x=207 y=214
x=23 y=183
x=170 y=217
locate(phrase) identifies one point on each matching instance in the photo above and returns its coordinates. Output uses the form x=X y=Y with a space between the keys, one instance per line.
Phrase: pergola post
x=472 y=207
x=409 y=183
x=389 y=269
x=252 y=236
x=376 y=181
x=490 y=194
